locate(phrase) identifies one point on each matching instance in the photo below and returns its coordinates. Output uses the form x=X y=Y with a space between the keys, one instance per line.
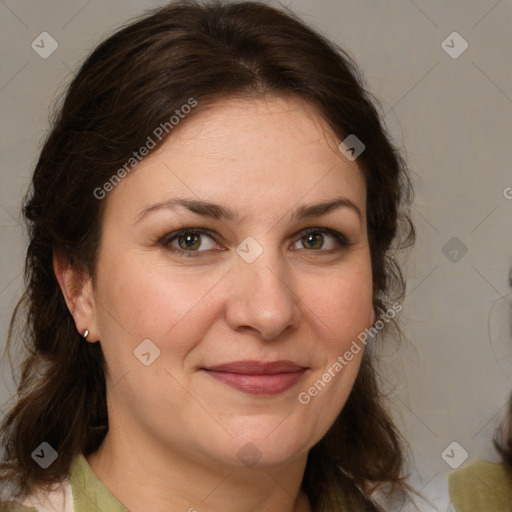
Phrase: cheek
x=340 y=312
x=138 y=301
x=342 y=304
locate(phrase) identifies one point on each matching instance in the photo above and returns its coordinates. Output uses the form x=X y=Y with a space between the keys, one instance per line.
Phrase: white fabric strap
x=58 y=500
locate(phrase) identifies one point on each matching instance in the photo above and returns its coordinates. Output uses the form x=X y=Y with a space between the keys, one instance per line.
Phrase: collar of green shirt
x=89 y=494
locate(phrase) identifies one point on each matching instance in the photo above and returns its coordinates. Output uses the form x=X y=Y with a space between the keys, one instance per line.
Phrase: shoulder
x=480 y=484
x=80 y=491
x=479 y=471
x=431 y=495
x=58 y=498
x=16 y=508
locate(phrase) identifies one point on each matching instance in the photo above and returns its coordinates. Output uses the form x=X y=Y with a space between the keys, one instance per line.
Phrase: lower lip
x=258 y=384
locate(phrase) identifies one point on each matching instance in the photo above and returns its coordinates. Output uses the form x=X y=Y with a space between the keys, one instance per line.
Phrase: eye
x=196 y=241
x=189 y=241
x=322 y=238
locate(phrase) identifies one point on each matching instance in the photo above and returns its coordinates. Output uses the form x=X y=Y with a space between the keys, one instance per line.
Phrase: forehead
x=250 y=153
x=248 y=128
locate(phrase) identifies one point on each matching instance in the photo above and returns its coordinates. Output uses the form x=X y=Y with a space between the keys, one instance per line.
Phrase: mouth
x=258 y=378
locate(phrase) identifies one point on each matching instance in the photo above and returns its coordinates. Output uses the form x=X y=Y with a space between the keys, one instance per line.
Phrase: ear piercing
x=85 y=334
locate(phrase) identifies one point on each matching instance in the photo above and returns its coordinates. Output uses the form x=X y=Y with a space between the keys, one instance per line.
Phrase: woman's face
x=244 y=285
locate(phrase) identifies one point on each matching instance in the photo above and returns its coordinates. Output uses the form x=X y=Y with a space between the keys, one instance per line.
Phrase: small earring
x=85 y=334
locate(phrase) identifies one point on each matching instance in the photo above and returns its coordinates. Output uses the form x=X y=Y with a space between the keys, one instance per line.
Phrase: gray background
x=451 y=377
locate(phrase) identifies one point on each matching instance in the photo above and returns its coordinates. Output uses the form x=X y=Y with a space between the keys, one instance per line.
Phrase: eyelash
x=167 y=239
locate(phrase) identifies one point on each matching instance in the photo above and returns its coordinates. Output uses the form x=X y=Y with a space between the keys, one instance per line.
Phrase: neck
x=145 y=478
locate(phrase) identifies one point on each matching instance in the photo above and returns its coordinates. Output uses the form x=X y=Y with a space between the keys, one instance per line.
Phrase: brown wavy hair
x=503 y=437
x=130 y=84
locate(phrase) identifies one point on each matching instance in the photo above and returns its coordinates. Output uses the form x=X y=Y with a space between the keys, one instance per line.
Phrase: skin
x=175 y=431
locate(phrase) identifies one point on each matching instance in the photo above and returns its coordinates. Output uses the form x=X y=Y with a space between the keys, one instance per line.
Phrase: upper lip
x=258 y=367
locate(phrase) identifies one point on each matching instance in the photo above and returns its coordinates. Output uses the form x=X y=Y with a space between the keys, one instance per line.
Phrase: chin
x=264 y=451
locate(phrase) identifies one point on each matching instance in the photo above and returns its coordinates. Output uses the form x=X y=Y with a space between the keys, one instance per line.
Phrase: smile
x=258 y=378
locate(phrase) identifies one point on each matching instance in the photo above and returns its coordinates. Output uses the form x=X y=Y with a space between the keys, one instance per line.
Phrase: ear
x=76 y=287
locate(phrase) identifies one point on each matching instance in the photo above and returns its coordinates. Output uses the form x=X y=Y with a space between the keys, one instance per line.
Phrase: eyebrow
x=325 y=207
x=200 y=207
x=217 y=211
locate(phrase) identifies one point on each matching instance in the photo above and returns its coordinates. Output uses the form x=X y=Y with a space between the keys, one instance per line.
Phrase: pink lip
x=257 y=377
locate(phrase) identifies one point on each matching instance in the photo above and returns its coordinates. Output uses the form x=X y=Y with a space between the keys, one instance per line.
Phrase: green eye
x=195 y=241
x=189 y=241
x=315 y=239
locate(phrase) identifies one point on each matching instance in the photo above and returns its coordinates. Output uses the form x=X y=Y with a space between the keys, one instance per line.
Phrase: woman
x=483 y=485
x=213 y=220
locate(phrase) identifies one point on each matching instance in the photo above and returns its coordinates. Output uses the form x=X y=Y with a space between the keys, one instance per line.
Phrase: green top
x=89 y=494
x=481 y=486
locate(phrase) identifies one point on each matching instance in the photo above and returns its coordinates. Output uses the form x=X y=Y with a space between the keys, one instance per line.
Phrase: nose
x=262 y=299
